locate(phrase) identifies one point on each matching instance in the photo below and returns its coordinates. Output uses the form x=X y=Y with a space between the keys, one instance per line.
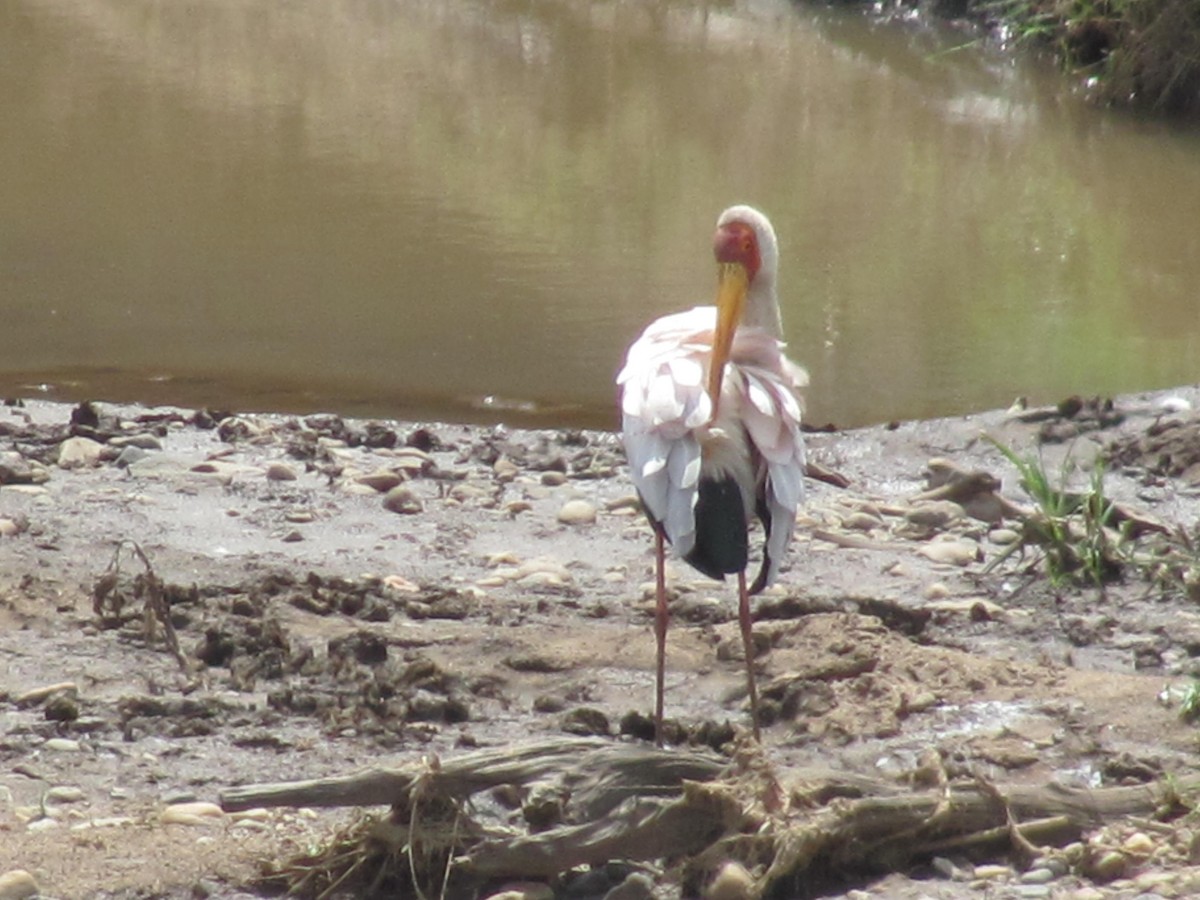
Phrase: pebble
x=382 y=480
x=937 y=514
x=1003 y=536
x=732 y=882
x=402 y=499
x=577 y=512
x=65 y=793
x=299 y=516
x=1040 y=875
x=10 y=528
x=17 y=884
x=505 y=470
x=1110 y=865
x=142 y=441
x=937 y=591
x=36 y=695
x=1029 y=890
x=129 y=456
x=278 y=471
x=78 y=451
x=554 y=478
x=1138 y=844
x=62 y=745
x=953 y=552
x=636 y=886
x=861 y=521
x=992 y=872
x=198 y=813
x=526 y=890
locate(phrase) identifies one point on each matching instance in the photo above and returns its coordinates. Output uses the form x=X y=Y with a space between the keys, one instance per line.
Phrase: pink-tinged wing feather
x=770 y=410
x=663 y=403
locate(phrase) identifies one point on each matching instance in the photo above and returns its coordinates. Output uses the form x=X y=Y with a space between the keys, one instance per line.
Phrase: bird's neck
x=762 y=309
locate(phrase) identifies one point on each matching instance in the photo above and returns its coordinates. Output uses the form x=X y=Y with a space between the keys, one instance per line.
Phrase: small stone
x=577 y=512
x=934 y=514
x=278 y=471
x=1039 y=875
x=292 y=537
x=992 y=872
x=505 y=470
x=937 y=591
x=636 y=886
x=1110 y=865
x=524 y=890
x=861 y=521
x=554 y=478
x=78 y=451
x=10 y=528
x=732 y=882
x=382 y=480
x=299 y=516
x=142 y=440
x=1138 y=844
x=1029 y=891
x=65 y=793
x=1003 y=536
x=198 y=813
x=62 y=745
x=130 y=455
x=952 y=553
x=17 y=884
x=402 y=499
x=34 y=696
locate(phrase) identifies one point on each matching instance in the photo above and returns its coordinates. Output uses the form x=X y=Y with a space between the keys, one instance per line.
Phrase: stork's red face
x=736 y=248
x=736 y=242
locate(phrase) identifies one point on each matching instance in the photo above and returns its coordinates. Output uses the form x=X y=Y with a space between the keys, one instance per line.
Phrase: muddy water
x=463 y=209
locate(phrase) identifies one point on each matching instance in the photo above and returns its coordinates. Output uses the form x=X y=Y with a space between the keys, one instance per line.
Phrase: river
x=466 y=210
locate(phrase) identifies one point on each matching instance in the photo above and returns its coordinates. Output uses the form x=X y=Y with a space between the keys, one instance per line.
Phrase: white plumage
x=684 y=424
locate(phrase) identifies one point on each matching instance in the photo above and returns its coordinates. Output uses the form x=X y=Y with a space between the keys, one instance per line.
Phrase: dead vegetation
x=457 y=826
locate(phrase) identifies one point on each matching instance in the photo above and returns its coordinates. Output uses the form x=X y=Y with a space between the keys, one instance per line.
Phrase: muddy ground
x=346 y=594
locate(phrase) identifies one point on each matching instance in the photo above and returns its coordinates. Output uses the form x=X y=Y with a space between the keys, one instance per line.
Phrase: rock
x=129 y=456
x=1139 y=844
x=34 y=696
x=992 y=872
x=17 y=884
x=1038 y=875
x=76 y=452
x=382 y=480
x=198 y=813
x=142 y=440
x=62 y=745
x=936 y=515
x=861 y=521
x=65 y=793
x=553 y=478
x=636 y=886
x=505 y=470
x=278 y=471
x=953 y=552
x=732 y=882
x=11 y=527
x=937 y=591
x=577 y=512
x=1003 y=536
x=525 y=890
x=402 y=499
x=586 y=721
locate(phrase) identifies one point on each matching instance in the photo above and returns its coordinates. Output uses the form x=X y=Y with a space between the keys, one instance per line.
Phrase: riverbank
x=345 y=593
x=1137 y=54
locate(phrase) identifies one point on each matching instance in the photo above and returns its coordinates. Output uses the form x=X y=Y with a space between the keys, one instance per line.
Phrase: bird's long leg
x=661 y=615
x=748 y=647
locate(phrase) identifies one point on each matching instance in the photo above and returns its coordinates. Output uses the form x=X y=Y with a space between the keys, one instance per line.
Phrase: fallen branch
x=634 y=802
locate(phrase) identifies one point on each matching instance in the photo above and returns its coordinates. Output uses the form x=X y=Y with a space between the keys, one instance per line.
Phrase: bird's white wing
x=663 y=402
x=771 y=411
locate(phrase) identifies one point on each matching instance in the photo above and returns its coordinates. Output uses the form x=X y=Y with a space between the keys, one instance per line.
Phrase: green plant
x=1073 y=530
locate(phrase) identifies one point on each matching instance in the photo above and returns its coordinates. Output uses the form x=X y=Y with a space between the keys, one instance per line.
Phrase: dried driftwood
x=636 y=802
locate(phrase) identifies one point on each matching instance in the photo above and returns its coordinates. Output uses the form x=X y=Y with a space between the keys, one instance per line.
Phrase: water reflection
x=407 y=207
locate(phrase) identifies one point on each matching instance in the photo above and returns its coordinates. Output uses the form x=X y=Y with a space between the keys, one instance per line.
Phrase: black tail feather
x=722 y=544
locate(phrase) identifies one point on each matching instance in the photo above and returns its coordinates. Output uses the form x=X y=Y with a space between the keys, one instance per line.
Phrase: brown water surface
x=462 y=209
